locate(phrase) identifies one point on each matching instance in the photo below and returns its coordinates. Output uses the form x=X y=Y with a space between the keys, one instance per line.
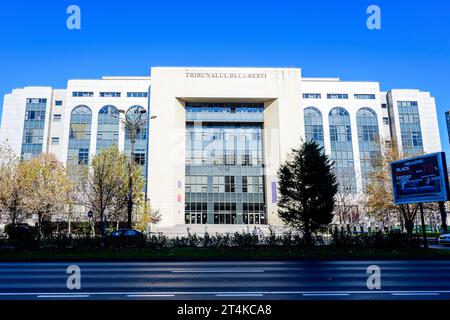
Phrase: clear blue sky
x=324 y=38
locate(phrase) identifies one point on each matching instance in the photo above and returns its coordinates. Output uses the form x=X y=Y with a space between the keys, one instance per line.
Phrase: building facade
x=211 y=155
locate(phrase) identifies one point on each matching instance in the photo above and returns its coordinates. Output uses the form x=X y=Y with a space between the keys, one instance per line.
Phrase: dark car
x=21 y=234
x=127 y=233
x=124 y=238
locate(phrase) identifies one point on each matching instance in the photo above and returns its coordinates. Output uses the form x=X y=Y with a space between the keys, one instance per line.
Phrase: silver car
x=444 y=239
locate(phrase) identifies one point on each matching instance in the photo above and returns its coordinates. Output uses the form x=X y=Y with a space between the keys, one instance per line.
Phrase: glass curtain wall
x=224 y=164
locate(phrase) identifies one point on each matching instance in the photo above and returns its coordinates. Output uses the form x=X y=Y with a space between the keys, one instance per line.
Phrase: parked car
x=444 y=239
x=21 y=234
x=125 y=238
x=127 y=233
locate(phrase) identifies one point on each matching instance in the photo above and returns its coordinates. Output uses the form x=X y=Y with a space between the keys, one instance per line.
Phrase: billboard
x=420 y=179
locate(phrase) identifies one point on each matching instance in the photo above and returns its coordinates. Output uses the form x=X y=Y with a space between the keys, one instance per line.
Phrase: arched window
x=313 y=125
x=369 y=141
x=79 y=135
x=140 y=146
x=108 y=127
x=342 y=148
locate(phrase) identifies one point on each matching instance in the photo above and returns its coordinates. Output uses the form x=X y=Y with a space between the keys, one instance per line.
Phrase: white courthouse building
x=211 y=155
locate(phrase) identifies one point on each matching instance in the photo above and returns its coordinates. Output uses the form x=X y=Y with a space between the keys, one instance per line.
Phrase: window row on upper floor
x=340 y=96
x=109 y=94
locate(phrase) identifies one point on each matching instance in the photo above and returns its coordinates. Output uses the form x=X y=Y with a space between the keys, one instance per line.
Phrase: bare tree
x=379 y=195
x=344 y=199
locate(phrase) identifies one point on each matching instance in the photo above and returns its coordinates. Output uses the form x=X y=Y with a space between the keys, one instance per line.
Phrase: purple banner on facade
x=179 y=184
x=274 y=192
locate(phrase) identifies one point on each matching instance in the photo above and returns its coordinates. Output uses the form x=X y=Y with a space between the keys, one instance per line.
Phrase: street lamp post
x=133 y=123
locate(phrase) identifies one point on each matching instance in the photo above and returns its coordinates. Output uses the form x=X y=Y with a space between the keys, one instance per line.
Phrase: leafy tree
x=379 y=195
x=46 y=186
x=146 y=215
x=12 y=193
x=103 y=186
x=307 y=187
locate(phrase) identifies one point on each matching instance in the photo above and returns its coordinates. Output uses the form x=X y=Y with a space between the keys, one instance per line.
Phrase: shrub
x=390 y=240
x=22 y=236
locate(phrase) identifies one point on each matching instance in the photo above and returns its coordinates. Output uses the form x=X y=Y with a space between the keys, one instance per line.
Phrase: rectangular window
x=57 y=118
x=312 y=96
x=36 y=101
x=407 y=103
x=55 y=141
x=139 y=159
x=110 y=94
x=386 y=120
x=83 y=156
x=365 y=96
x=83 y=94
x=229 y=184
x=337 y=96
x=58 y=103
x=384 y=106
x=137 y=94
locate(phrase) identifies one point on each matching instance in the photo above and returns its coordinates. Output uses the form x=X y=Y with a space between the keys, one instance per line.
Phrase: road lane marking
x=415 y=294
x=239 y=295
x=150 y=295
x=325 y=294
x=218 y=271
x=106 y=293
x=62 y=296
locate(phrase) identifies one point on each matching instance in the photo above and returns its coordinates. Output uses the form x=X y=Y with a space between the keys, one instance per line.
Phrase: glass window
x=79 y=135
x=224 y=164
x=369 y=141
x=342 y=148
x=33 y=129
x=313 y=125
x=411 y=132
x=107 y=127
x=312 y=96
x=55 y=140
x=337 y=96
x=110 y=94
x=137 y=94
x=365 y=96
x=82 y=94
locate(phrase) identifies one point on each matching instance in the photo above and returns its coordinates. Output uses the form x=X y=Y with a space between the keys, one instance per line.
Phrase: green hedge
x=339 y=240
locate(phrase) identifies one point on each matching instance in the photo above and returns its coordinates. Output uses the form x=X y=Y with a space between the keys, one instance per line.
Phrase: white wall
x=351 y=104
x=14 y=105
x=279 y=89
x=427 y=113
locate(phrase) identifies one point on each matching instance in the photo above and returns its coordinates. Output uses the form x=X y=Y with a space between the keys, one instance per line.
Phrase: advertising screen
x=420 y=179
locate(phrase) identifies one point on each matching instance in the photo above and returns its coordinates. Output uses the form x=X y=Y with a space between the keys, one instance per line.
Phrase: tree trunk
x=39 y=226
x=307 y=235
x=443 y=216
x=102 y=224
x=409 y=226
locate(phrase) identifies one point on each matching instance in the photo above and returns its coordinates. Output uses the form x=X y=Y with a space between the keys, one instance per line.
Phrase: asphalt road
x=204 y=280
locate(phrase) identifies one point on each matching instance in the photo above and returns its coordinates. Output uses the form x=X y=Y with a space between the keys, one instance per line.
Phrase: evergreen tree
x=307 y=187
